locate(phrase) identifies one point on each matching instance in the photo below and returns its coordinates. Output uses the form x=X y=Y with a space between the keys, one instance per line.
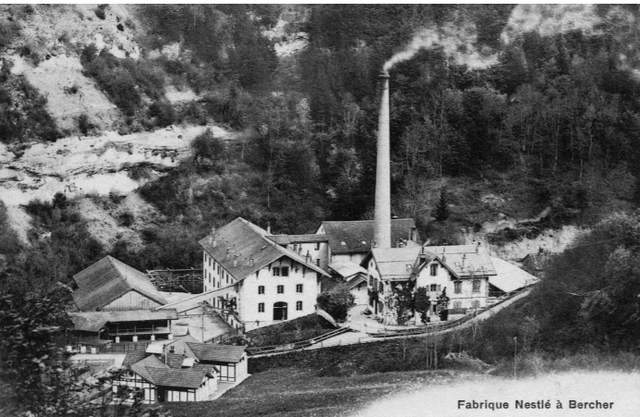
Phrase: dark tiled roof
x=217 y=353
x=177 y=378
x=92 y=321
x=107 y=280
x=142 y=367
x=133 y=356
x=287 y=239
x=356 y=236
x=242 y=248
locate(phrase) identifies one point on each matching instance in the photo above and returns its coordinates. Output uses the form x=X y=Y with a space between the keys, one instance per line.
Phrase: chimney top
x=384 y=74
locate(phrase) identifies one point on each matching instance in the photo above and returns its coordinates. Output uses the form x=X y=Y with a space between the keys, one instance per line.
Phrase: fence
x=438 y=327
x=296 y=345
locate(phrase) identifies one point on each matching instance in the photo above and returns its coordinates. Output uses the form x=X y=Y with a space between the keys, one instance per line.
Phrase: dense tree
x=590 y=294
x=337 y=301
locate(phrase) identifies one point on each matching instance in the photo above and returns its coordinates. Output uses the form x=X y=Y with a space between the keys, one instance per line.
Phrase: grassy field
x=294 y=392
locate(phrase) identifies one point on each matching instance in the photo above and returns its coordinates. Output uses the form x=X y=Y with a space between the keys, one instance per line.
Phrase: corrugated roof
x=347 y=269
x=465 y=261
x=107 y=280
x=509 y=277
x=356 y=236
x=177 y=378
x=396 y=264
x=93 y=321
x=287 y=239
x=217 y=353
x=242 y=248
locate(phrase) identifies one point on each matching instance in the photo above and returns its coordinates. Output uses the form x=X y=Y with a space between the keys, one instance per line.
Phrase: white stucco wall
x=443 y=279
x=250 y=298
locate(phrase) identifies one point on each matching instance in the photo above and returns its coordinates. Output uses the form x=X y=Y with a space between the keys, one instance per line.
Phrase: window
x=317 y=245
x=284 y=271
x=457 y=287
x=280 y=289
x=433 y=288
x=318 y=262
x=261 y=289
x=298 y=287
x=476 y=285
x=298 y=305
x=260 y=307
x=276 y=271
x=434 y=270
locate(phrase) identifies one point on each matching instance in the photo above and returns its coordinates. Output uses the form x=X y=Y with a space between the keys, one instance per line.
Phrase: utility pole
x=515 y=353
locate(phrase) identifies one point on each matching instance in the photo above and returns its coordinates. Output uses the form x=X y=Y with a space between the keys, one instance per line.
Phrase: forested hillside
x=525 y=112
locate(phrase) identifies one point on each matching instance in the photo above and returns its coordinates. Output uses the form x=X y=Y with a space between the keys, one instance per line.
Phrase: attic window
x=343 y=243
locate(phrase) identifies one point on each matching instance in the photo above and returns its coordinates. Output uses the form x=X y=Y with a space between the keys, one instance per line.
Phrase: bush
x=163 y=113
x=84 y=124
x=337 y=301
x=208 y=152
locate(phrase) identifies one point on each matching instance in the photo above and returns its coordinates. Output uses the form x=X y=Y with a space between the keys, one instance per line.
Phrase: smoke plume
x=550 y=20
x=456 y=39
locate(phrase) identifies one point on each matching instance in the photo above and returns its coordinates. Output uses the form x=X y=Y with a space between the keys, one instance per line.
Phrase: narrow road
x=358 y=334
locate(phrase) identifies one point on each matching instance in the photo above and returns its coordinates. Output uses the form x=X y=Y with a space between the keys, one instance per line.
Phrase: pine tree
x=442 y=212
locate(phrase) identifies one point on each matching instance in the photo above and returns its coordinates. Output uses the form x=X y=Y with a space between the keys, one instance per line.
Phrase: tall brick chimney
x=382 y=213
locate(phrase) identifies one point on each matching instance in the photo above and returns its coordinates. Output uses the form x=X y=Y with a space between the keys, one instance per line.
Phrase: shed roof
x=242 y=248
x=109 y=279
x=217 y=353
x=93 y=321
x=465 y=261
x=509 y=277
x=356 y=236
x=347 y=269
x=352 y=283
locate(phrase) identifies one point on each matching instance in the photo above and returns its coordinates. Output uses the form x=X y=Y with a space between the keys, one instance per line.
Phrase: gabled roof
x=217 y=353
x=93 y=321
x=509 y=277
x=109 y=279
x=242 y=248
x=142 y=367
x=133 y=356
x=466 y=261
x=179 y=345
x=356 y=236
x=396 y=264
x=287 y=239
x=177 y=378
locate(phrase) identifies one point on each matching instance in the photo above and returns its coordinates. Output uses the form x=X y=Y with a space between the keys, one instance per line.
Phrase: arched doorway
x=280 y=311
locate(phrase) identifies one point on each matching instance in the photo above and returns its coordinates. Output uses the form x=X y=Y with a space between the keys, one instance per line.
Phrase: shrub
x=337 y=301
x=208 y=151
x=84 y=124
x=163 y=113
